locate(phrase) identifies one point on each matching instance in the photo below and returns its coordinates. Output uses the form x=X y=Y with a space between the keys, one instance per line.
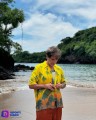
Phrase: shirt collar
x=46 y=65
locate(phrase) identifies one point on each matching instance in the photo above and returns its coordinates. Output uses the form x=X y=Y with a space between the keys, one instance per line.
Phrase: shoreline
x=18 y=83
x=11 y=85
x=79 y=103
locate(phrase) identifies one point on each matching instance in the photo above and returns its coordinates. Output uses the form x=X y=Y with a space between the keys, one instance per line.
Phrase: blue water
x=80 y=75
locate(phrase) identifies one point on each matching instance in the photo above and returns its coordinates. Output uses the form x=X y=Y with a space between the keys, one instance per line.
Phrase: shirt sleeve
x=62 y=77
x=34 y=76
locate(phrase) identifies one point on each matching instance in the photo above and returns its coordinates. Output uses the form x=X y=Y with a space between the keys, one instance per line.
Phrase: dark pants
x=49 y=114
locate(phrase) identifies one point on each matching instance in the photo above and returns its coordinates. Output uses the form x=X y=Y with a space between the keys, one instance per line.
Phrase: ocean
x=76 y=75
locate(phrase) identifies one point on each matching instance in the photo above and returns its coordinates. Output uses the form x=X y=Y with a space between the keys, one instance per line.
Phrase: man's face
x=52 y=61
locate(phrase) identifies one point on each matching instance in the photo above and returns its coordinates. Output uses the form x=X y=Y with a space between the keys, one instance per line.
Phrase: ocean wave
x=11 y=85
x=12 y=89
x=84 y=84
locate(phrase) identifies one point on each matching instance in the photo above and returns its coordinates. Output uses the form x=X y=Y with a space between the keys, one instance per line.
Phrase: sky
x=47 y=22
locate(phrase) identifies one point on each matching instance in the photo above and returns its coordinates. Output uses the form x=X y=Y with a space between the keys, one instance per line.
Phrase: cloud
x=49 y=21
x=72 y=7
x=46 y=24
x=45 y=30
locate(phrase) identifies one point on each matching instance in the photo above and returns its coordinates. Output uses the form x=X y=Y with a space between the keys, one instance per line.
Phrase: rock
x=4 y=74
x=6 y=60
x=22 y=67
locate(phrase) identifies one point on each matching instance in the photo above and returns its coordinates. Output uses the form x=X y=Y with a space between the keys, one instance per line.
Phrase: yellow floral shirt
x=46 y=98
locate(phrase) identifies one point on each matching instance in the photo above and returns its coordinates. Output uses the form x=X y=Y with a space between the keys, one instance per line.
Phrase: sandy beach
x=79 y=104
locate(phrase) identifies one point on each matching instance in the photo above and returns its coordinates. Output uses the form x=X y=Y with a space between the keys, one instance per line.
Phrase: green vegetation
x=10 y=18
x=27 y=57
x=79 y=49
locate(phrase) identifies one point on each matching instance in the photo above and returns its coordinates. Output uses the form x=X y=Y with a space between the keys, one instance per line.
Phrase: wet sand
x=79 y=104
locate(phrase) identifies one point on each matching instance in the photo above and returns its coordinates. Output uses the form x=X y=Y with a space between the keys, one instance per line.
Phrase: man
x=47 y=79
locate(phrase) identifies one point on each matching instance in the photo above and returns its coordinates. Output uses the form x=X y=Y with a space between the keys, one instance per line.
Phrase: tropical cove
x=27 y=29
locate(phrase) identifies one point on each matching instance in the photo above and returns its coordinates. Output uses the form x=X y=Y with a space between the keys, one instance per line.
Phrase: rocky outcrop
x=6 y=65
x=6 y=60
x=5 y=74
x=22 y=67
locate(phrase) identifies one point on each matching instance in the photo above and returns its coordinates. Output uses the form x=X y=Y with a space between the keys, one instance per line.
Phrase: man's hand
x=60 y=86
x=50 y=86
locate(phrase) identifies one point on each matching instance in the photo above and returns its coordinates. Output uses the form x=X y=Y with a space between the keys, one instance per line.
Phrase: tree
x=10 y=18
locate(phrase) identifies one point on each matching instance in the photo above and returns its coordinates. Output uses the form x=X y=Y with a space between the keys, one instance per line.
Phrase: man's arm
x=40 y=86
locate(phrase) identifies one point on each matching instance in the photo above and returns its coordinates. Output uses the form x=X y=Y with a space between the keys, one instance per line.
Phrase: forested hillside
x=26 y=57
x=81 y=48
